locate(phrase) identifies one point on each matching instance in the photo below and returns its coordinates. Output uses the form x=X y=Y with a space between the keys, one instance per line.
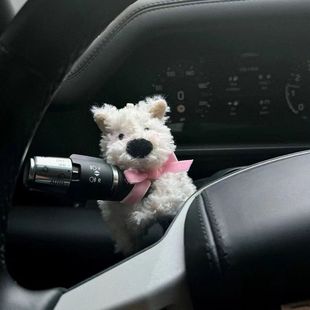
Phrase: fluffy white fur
x=144 y=120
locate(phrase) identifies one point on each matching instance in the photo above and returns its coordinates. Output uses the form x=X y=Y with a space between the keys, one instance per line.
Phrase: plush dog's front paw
x=139 y=220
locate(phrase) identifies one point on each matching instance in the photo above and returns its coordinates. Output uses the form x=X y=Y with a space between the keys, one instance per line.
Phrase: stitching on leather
x=127 y=19
x=209 y=251
x=214 y=224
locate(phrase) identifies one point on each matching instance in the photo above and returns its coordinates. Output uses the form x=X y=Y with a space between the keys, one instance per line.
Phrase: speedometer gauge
x=188 y=90
x=297 y=91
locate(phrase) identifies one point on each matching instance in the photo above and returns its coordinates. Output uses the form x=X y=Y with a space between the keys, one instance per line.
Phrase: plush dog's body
x=128 y=222
x=136 y=137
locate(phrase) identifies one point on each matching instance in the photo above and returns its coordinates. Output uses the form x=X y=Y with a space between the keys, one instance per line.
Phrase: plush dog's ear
x=101 y=115
x=158 y=107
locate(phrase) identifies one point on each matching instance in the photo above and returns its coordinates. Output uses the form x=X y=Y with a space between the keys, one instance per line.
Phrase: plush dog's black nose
x=139 y=148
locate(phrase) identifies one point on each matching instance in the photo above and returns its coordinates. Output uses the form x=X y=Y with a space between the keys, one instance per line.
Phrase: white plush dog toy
x=136 y=139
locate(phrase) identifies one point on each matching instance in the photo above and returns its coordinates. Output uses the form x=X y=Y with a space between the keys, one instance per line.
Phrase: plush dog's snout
x=139 y=148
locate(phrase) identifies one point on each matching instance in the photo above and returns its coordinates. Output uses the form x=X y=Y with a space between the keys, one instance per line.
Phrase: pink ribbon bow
x=142 y=180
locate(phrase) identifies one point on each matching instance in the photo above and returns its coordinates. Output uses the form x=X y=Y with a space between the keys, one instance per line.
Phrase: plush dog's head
x=135 y=136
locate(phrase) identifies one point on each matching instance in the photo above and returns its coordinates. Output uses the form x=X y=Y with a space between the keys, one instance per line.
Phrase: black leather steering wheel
x=245 y=233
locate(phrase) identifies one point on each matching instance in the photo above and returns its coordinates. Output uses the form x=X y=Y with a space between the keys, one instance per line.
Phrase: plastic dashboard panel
x=277 y=29
x=128 y=33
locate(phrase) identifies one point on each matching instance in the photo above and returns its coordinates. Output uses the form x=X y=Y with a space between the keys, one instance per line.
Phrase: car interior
x=235 y=74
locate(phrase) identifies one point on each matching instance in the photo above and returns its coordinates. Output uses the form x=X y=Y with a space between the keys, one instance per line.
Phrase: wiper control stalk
x=80 y=177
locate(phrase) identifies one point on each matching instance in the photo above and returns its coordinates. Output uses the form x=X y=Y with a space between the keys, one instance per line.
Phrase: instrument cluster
x=223 y=94
x=253 y=91
x=297 y=91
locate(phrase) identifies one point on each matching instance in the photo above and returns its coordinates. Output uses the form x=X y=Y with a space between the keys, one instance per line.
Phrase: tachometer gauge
x=188 y=92
x=297 y=91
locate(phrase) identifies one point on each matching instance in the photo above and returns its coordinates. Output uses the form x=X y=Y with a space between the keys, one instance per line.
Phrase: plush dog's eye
x=121 y=136
x=146 y=128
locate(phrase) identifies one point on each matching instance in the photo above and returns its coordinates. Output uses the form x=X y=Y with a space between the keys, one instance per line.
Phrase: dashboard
x=237 y=90
x=236 y=82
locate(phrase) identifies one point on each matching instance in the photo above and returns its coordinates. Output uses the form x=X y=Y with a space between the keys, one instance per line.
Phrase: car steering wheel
x=241 y=241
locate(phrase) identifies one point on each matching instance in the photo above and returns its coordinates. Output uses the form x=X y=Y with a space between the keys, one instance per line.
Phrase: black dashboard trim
x=115 y=29
x=88 y=76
